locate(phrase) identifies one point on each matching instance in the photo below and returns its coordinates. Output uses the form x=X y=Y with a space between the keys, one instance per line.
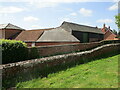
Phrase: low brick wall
x=58 y=49
x=26 y=68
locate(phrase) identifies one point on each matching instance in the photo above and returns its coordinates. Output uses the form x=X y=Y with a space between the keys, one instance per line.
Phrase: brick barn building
x=51 y=36
x=66 y=33
x=83 y=33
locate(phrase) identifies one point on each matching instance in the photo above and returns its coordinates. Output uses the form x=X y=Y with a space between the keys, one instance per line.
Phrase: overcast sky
x=34 y=14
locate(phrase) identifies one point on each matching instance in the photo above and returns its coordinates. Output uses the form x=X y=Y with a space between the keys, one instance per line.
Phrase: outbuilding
x=83 y=33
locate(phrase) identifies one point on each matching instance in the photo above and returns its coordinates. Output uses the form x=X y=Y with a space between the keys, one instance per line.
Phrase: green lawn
x=102 y=73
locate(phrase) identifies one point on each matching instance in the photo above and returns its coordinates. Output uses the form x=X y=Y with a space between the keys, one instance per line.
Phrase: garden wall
x=15 y=72
x=68 y=48
x=59 y=49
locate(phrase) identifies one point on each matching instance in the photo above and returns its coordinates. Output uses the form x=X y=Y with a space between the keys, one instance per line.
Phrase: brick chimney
x=104 y=28
x=104 y=25
x=109 y=28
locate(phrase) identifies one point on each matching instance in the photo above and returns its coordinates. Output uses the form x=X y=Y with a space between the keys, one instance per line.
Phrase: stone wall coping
x=65 y=45
x=27 y=63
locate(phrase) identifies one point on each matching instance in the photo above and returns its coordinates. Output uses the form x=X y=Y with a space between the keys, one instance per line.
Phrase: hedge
x=13 y=51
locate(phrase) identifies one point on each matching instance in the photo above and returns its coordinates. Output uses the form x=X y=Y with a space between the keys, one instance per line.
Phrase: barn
x=56 y=36
x=83 y=33
x=66 y=33
x=50 y=36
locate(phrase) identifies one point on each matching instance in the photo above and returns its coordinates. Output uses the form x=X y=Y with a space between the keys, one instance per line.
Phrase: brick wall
x=13 y=71
x=2 y=34
x=58 y=49
x=29 y=44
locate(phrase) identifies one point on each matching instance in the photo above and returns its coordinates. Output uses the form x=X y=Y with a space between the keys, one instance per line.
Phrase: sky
x=38 y=14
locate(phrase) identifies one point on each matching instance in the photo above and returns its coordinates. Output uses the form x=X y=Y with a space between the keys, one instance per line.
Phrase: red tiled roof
x=31 y=35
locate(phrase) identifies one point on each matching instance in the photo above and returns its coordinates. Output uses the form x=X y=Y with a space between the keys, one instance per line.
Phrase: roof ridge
x=40 y=29
x=110 y=31
x=78 y=24
x=6 y=25
x=11 y=25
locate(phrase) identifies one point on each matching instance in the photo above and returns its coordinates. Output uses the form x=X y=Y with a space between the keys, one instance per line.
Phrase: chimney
x=104 y=25
x=109 y=28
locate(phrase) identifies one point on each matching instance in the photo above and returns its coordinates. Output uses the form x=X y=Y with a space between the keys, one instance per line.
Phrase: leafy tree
x=117 y=20
x=119 y=33
x=114 y=31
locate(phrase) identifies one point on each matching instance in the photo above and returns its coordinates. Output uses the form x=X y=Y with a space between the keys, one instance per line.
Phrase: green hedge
x=13 y=51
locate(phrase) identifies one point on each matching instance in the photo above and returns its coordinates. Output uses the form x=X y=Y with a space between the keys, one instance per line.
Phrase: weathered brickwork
x=27 y=67
x=58 y=49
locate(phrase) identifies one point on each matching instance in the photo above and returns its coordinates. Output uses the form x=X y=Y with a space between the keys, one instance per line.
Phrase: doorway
x=85 y=38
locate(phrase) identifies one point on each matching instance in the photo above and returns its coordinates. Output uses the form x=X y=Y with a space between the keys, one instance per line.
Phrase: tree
x=117 y=20
x=119 y=33
x=114 y=31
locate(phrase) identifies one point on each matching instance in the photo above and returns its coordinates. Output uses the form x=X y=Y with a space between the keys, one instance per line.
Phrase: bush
x=13 y=51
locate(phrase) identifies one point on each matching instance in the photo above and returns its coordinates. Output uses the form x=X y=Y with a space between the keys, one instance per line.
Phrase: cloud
x=85 y=12
x=54 y=3
x=30 y=19
x=115 y=0
x=40 y=4
x=113 y=7
x=10 y=9
x=86 y=23
x=104 y=21
x=67 y=1
x=73 y=14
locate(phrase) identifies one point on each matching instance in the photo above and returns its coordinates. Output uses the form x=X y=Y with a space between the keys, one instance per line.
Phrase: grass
x=102 y=73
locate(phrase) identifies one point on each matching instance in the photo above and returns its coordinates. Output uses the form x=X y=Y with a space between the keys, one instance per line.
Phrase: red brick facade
x=2 y=34
x=108 y=34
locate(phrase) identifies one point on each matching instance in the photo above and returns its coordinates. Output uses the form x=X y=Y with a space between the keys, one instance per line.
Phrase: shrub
x=13 y=51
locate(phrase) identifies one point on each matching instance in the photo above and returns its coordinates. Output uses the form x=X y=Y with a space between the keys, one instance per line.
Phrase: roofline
x=11 y=28
x=110 y=31
x=6 y=25
x=78 y=24
x=83 y=26
x=40 y=29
